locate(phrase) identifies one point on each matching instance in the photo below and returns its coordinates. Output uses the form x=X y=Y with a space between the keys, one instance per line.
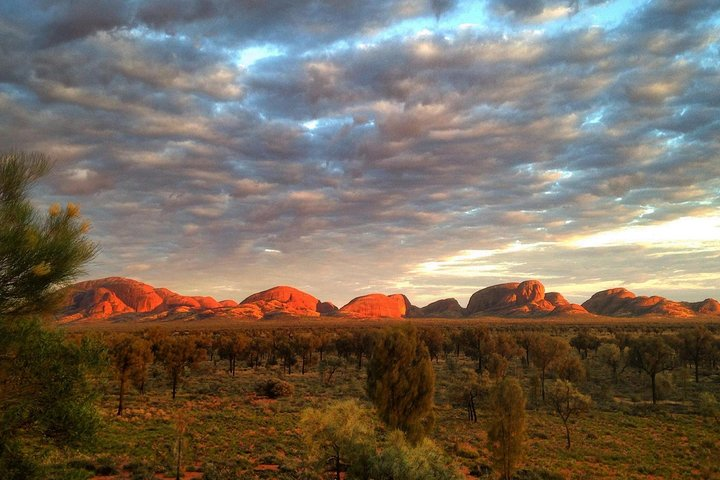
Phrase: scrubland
x=227 y=428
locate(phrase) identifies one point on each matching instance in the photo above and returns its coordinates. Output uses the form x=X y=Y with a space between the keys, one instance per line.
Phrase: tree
x=567 y=402
x=232 y=347
x=44 y=396
x=583 y=342
x=467 y=390
x=401 y=381
x=546 y=350
x=610 y=354
x=652 y=355
x=178 y=354
x=507 y=428
x=434 y=339
x=131 y=356
x=696 y=344
x=479 y=343
x=339 y=436
x=38 y=254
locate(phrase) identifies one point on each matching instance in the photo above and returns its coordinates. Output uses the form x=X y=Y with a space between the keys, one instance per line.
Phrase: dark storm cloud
x=351 y=150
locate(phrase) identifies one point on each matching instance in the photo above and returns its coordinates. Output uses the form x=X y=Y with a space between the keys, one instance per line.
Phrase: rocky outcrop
x=709 y=306
x=525 y=299
x=327 y=308
x=285 y=300
x=620 y=302
x=377 y=305
x=108 y=297
x=511 y=299
x=445 y=308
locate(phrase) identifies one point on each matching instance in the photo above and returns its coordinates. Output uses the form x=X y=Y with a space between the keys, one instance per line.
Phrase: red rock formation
x=709 y=306
x=556 y=299
x=285 y=300
x=492 y=298
x=376 y=305
x=207 y=302
x=327 y=308
x=113 y=295
x=569 y=309
x=228 y=303
x=620 y=302
x=512 y=299
x=447 y=307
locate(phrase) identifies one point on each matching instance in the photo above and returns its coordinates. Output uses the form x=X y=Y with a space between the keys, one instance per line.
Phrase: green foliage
x=178 y=354
x=567 y=402
x=131 y=357
x=45 y=393
x=652 y=355
x=507 y=426
x=401 y=382
x=339 y=438
x=274 y=388
x=547 y=350
x=615 y=359
x=38 y=254
x=402 y=460
x=708 y=406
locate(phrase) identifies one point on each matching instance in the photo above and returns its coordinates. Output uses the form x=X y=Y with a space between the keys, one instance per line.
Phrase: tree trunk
x=174 y=386
x=567 y=435
x=697 y=371
x=654 y=396
x=542 y=383
x=122 y=395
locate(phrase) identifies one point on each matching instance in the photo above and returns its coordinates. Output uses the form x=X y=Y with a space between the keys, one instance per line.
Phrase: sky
x=426 y=147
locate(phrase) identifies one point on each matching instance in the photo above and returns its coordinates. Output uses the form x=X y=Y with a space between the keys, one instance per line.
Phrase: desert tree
x=525 y=342
x=569 y=367
x=545 y=351
x=584 y=342
x=478 y=344
x=324 y=341
x=232 y=347
x=566 y=401
x=130 y=355
x=177 y=354
x=610 y=355
x=305 y=344
x=339 y=437
x=506 y=433
x=401 y=381
x=651 y=354
x=696 y=345
x=434 y=340
x=362 y=342
x=466 y=391
x=44 y=392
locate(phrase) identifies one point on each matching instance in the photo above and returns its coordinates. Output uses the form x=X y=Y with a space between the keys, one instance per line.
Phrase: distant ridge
x=128 y=299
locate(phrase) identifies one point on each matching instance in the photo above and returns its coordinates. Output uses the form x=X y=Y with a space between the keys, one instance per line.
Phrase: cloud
x=375 y=139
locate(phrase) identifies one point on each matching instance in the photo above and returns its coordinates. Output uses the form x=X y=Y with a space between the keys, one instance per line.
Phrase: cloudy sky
x=430 y=147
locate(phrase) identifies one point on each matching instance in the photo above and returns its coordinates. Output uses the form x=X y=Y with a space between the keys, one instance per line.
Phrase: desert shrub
x=105 y=466
x=537 y=475
x=708 y=405
x=275 y=388
x=401 y=460
x=219 y=471
x=664 y=386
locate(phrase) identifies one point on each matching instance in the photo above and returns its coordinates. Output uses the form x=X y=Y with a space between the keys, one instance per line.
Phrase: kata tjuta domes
x=130 y=299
